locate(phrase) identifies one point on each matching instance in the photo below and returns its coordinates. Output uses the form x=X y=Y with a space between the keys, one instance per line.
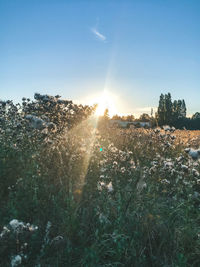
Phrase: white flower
x=184 y=167
x=165 y=181
x=33 y=228
x=16 y=225
x=16 y=260
x=123 y=169
x=195 y=172
x=36 y=122
x=100 y=185
x=5 y=231
x=110 y=187
x=168 y=164
x=166 y=128
x=157 y=130
x=113 y=149
x=194 y=153
x=180 y=158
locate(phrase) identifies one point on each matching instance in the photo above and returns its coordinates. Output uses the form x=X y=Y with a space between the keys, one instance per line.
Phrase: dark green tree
x=168 y=109
x=161 y=110
x=170 y=112
x=144 y=117
x=183 y=109
x=196 y=116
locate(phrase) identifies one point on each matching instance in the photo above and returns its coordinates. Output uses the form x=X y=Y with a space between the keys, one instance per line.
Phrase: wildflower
x=168 y=164
x=123 y=169
x=180 y=158
x=16 y=225
x=165 y=181
x=4 y=232
x=36 y=122
x=16 y=260
x=166 y=128
x=184 y=167
x=110 y=187
x=157 y=130
x=32 y=228
x=152 y=170
x=173 y=172
x=100 y=185
x=195 y=172
x=167 y=144
x=194 y=153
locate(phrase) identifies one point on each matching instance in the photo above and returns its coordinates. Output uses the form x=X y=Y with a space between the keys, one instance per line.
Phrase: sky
x=134 y=49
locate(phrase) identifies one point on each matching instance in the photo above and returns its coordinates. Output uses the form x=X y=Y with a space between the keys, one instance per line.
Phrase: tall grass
x=130 y=203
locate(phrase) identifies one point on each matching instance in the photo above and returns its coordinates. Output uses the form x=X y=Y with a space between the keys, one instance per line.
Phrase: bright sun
x=105 y=101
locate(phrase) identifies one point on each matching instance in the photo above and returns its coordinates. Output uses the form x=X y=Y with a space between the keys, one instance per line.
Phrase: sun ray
x=105 y=101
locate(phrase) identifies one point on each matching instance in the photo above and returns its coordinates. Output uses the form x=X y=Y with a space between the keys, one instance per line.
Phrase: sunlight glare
x=105 y=101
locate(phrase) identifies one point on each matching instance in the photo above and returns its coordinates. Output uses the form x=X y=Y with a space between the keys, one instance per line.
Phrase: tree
x=168 y=109
x=161 y=110
x=130 y=118
x=170 y=112
x=144 y=117
x=175 y=110
x=116 y=117
x=196 y=116
x=183 y=109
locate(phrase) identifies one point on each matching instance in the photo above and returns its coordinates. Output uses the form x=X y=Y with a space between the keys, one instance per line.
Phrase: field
x=90 y=195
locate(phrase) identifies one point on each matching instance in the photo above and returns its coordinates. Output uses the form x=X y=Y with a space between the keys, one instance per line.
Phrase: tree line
x=174 y=113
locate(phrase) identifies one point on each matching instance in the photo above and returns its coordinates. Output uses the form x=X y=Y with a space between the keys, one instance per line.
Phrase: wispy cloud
x=98 y=34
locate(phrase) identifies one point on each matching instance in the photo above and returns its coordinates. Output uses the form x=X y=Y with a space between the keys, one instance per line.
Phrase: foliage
x=129 y=118
x=144 y=118
x=174 y=114
x=73 y=193
x=196 y=116
x=169 y=112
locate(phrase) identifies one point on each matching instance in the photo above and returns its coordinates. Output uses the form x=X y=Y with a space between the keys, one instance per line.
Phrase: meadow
x=76 y=192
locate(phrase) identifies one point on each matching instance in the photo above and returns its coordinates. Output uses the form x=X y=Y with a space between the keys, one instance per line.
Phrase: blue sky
x=135 y=49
